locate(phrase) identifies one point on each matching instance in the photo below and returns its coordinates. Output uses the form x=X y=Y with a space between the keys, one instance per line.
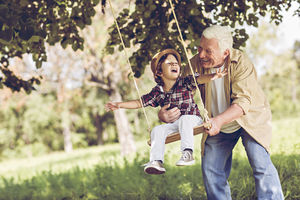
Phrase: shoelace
x=186 y=155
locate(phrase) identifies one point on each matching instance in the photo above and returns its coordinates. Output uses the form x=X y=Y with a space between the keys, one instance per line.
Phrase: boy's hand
x=220 y=74
x=111 y=106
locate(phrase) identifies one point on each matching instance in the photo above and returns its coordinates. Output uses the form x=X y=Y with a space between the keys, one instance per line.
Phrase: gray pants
x=184 y=125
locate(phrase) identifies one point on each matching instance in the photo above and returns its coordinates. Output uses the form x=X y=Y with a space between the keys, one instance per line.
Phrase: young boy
x=176 y=91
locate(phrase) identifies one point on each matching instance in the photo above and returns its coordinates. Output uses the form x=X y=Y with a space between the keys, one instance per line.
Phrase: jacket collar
x=234 y=55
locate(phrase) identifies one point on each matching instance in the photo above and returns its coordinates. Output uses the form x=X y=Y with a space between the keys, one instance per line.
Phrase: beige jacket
x=242 y=88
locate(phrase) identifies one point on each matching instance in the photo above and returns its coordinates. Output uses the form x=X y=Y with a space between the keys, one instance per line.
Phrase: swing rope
x=203 y=111
x=131 y=71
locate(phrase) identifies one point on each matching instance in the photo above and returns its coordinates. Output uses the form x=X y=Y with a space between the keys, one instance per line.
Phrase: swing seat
x=176 y=136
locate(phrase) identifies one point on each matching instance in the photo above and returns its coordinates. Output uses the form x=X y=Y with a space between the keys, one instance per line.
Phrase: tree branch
x=98 y=84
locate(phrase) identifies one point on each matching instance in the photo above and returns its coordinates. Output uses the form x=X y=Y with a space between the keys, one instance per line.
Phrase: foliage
x=281 y=84
x=88 y=107
x=151 y=26
x=31 y=124
x=278 y=69
x=26 y=25
x=28 y=122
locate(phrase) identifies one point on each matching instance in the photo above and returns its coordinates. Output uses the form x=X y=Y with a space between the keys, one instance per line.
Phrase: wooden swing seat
x=176 y=136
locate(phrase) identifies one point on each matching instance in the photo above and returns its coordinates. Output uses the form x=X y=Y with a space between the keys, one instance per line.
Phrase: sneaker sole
x=185 y=163
x=152 y=170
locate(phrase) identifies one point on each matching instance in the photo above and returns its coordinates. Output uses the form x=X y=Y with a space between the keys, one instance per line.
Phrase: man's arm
x=168 y=116
x=232 y=113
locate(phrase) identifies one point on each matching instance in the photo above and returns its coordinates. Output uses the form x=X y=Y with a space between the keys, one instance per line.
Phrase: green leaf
x=64 y=42
x=88 y=21
x=4 y=12
x=80 y=23
x=6 y=34
x=26 y=32
x=92 y=12
x=75 y=46
x=110 y=50
x=38 y=64
x=96 y=2
x=34 y=38
x=23 y=3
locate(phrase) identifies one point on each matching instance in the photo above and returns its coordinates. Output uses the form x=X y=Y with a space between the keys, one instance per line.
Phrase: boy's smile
x=170 y=68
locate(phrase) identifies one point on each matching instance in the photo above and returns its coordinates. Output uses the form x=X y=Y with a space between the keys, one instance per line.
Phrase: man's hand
x=215 y=127
x=232 y=113
x=168 y=116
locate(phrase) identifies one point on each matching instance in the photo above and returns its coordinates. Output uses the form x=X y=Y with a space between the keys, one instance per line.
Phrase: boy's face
x=170 y=68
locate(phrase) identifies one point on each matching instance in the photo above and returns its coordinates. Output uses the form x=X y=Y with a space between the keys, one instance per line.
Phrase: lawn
x=101 y=173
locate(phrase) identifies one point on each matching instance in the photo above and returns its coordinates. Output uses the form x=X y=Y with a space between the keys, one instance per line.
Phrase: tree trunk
x=65 y=122
x=124 y=134
x=294 y=86
x=99 y=129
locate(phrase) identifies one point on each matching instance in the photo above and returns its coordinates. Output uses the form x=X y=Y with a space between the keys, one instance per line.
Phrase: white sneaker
x=154 y=167
x=186 y=159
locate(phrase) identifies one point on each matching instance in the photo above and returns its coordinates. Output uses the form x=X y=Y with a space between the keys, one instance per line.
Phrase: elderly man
x=238 y=109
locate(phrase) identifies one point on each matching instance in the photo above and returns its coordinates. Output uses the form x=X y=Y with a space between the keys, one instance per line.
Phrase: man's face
x=210 y=53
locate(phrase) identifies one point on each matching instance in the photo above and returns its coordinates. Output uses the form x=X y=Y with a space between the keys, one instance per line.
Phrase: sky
x=289 y=29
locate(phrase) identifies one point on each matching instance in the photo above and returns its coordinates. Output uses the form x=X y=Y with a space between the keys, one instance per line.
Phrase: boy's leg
x=158 y=138
x=186 y=128
x=267 y=183
x=216 y=164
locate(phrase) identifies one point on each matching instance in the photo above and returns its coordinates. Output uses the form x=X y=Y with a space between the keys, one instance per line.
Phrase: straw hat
x=157 y=57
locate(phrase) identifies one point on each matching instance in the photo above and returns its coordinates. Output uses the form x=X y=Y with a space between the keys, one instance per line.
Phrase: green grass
x=102 y=173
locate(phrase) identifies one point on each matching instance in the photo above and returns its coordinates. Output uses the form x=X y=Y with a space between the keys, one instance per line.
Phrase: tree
x=108 y=73
x=26 y=25
x=277 y=70
x=151 y=26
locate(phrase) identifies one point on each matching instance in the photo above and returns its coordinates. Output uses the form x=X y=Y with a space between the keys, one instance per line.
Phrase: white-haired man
x=238 y=109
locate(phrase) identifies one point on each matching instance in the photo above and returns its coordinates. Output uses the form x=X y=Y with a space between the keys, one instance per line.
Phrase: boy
x=176 y=91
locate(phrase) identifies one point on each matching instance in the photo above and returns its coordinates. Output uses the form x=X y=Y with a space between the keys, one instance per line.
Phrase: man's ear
x=226 y=53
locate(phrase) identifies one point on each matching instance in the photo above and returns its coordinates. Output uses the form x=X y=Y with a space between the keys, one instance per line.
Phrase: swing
x=176 y=136
x=203 y=112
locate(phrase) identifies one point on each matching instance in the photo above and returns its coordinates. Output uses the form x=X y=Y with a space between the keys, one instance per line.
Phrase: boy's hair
x=157 y=61
x=222 y=34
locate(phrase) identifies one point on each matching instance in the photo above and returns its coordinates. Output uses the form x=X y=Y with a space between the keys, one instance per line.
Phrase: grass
x=101 y=173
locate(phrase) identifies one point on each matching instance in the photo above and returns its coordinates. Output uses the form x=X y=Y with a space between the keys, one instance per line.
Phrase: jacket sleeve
x=243 y=83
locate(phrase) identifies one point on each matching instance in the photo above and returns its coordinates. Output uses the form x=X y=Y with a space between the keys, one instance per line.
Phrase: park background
x=57 y=141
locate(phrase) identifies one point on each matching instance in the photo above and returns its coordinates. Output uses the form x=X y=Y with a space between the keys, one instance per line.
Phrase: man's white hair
x=222 y=34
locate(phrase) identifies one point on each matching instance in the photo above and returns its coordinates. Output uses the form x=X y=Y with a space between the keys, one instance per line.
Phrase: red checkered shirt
x=180 y=95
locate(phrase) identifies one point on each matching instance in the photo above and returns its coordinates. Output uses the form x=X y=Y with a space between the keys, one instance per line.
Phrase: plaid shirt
x=180 y=95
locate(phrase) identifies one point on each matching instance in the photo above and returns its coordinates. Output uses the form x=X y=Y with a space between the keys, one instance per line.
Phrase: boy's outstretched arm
x=133 y=104
x=205 y=78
